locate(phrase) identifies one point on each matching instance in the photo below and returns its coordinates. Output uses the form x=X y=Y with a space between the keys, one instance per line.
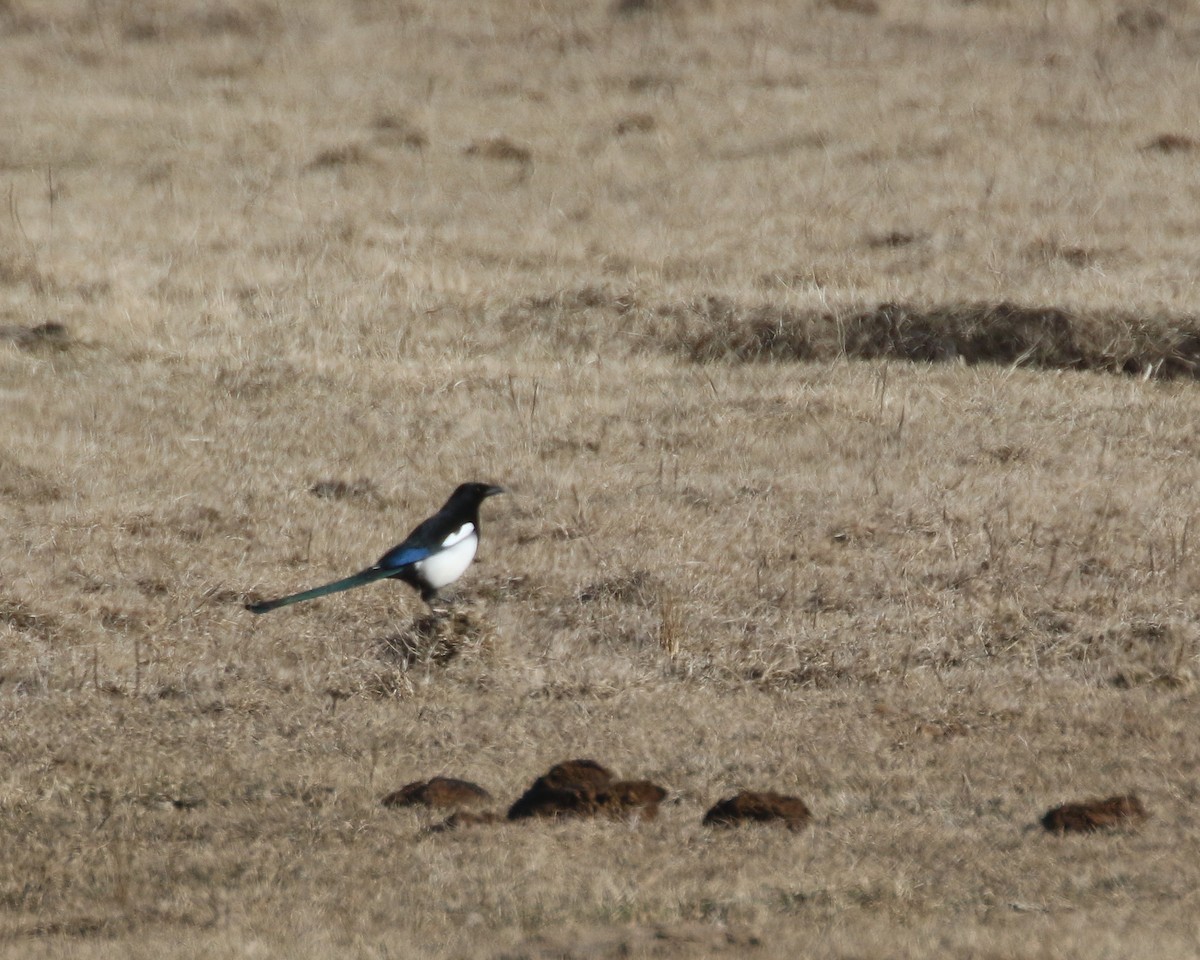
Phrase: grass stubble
x=274 y=279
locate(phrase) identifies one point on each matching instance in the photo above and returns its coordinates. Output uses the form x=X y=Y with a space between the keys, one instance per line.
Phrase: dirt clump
x=585 y=788
x=440 y=792
x=1089 y=816
x=752 y=806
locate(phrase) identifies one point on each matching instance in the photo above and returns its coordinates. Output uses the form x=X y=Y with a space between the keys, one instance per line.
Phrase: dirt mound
x=752 y=806
x=440 y=792
x=585 y=788
x=639 y=797
x=1091 y=815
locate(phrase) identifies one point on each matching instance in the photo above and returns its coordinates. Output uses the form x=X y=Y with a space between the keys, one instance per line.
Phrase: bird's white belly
x=448 y=565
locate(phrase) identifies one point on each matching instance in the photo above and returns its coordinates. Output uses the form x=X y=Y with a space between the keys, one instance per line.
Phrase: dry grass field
x=275 y=277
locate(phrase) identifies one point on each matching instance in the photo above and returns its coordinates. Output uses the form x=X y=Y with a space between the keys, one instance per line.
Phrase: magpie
x=434 y=555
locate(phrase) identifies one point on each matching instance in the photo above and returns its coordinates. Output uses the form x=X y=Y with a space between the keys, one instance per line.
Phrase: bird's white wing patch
x=459 y=535
x=449 y=563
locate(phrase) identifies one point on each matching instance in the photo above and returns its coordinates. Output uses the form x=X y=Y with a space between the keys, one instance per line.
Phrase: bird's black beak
x=493 y=490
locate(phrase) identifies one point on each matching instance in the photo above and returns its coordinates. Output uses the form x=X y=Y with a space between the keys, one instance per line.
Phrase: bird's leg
x=439 y=611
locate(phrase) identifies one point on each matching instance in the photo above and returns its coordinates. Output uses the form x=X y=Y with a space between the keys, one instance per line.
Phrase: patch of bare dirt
x=752 y=806
x=1172 y=143
x=440 y=793
x=864 y=8
x=1141 y=21
x=395 y=130
x=153 y=23
x=686 y=939
x=585 y=788
x=499 y=147
x=634 y=123
x=347 y=154
x=1091 y=815
x=362 y=490
x=892 y=239
x=437 y=638
x=41 y=337
x=718 y=329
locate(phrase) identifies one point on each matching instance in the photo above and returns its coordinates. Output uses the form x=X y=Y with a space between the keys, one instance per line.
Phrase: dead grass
x=262 y=305
x=1004 y=333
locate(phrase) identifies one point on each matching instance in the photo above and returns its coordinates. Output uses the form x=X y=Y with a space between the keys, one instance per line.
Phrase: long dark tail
x=366 y=576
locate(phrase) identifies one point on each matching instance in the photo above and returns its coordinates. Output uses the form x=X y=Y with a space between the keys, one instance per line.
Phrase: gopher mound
x=1092 y=815
x=759 y=807
x=441 y=793
x=585 y=788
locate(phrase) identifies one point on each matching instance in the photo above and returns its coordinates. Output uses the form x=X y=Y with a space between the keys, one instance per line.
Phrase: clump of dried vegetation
x=682 y=275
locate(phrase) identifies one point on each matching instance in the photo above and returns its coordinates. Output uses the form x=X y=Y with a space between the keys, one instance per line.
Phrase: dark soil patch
x=396 y=130
x=499 y=148
x=1141 y=21
x=41 y=337
x=892 y=238
x=1092 y=815
x=362 y=490
x=348 y=154
x=687 y=939
x=864 y=8
x=634 y=123
x=584 y=788
x=717 y=329
x=1172 y=143
x=440 y=792
x=759 y=807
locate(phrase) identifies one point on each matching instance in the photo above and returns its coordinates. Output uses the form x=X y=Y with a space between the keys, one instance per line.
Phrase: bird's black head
x=473 y=494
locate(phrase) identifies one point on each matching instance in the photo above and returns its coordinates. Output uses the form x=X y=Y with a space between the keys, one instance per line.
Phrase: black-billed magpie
x=433 y=556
